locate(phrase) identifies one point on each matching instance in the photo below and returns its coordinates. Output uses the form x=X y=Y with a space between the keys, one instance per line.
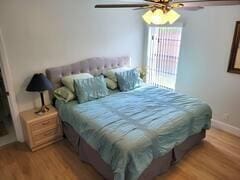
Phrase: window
x=163 y=54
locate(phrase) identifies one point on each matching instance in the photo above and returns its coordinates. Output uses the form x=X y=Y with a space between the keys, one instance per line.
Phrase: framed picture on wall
x=234 y=63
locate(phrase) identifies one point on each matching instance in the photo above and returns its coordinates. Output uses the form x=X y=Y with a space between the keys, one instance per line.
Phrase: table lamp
x=40 y=83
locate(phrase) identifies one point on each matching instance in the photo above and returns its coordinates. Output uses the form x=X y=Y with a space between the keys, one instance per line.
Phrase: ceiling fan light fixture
x=147 y=17
x=159 y=17
x=172 y=16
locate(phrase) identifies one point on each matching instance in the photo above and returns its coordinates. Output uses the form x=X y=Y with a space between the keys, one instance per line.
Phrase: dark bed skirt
x=157 y=167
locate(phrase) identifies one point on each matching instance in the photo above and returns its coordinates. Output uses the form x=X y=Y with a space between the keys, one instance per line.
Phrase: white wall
x=205 y=52
x=45 y=33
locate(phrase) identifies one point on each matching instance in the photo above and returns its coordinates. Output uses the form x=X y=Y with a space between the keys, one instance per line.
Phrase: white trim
x=8 y=81
x=226 y=127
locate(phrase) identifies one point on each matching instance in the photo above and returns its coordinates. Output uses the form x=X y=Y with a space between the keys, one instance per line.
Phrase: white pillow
x=68 y=81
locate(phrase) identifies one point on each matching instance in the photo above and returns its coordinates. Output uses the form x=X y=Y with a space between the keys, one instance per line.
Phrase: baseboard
x=226 y=127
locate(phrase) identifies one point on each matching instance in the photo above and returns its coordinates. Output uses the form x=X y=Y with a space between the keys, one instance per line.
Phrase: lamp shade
x=39 y=83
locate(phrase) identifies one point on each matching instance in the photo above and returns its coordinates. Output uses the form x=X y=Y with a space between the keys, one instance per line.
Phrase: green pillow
x=90 y=89
x=64 y=94
x=111 y=84
x=68 y=81
x=111 y=74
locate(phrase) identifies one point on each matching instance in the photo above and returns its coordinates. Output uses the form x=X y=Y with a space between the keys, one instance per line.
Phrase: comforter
x=130 y=129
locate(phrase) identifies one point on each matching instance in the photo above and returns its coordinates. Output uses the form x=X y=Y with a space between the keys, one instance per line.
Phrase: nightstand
x=41 y=130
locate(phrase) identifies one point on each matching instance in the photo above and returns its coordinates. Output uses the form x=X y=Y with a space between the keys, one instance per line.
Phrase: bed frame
x=96 y=66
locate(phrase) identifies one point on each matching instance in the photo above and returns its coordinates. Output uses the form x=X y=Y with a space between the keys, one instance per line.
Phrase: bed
x=137 y=134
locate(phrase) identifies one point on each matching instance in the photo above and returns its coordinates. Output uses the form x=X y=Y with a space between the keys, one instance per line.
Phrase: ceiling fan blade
x=121 y=5
x=153 y=1
x=141 y=8
x=176 y=5
x=191 y=8
x=209 y=3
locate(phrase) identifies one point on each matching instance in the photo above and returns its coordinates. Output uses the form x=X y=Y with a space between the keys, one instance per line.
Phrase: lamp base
x=43 y=110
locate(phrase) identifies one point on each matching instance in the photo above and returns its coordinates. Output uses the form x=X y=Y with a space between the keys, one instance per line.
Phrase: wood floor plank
x=216 y=158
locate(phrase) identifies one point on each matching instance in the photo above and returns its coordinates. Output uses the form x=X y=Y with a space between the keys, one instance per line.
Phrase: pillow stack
x=125 y=78
x=68 y=81
x=86 y=87
x=111 y=77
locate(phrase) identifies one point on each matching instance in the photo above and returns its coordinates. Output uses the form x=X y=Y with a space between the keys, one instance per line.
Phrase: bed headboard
x=94 y=66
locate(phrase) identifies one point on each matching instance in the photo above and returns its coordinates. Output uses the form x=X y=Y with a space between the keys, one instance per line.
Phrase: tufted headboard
x=94 y=66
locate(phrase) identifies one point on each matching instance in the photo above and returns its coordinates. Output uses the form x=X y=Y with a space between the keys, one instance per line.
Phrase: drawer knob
x=45 y=123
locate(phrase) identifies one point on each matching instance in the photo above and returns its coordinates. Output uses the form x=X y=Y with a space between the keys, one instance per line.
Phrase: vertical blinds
x=163 y=54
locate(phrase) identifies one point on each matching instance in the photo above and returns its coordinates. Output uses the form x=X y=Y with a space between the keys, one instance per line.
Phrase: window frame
x=147 y=51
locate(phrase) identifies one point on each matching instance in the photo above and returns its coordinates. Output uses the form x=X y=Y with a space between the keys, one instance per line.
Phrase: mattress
x=130 y=129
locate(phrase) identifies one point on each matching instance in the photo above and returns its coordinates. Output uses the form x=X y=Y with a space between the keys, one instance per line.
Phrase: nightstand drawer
x=46 y=136
x=44 y=124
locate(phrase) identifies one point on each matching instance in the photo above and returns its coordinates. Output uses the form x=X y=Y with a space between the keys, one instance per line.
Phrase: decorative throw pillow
x=68 y=81
x=128 y=80
x=90 y=89
x=111 y=84
x=64 y=94
x=111 y=74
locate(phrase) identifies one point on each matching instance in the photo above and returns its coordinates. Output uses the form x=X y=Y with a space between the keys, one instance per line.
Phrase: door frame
x=8 y=82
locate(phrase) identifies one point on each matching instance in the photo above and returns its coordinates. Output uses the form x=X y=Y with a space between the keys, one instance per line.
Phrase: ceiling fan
x=162 y=11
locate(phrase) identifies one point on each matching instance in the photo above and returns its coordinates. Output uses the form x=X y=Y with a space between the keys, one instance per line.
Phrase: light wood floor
x=217 y=157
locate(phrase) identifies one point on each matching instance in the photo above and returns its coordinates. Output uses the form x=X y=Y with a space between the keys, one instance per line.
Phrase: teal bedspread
x=130 y=129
